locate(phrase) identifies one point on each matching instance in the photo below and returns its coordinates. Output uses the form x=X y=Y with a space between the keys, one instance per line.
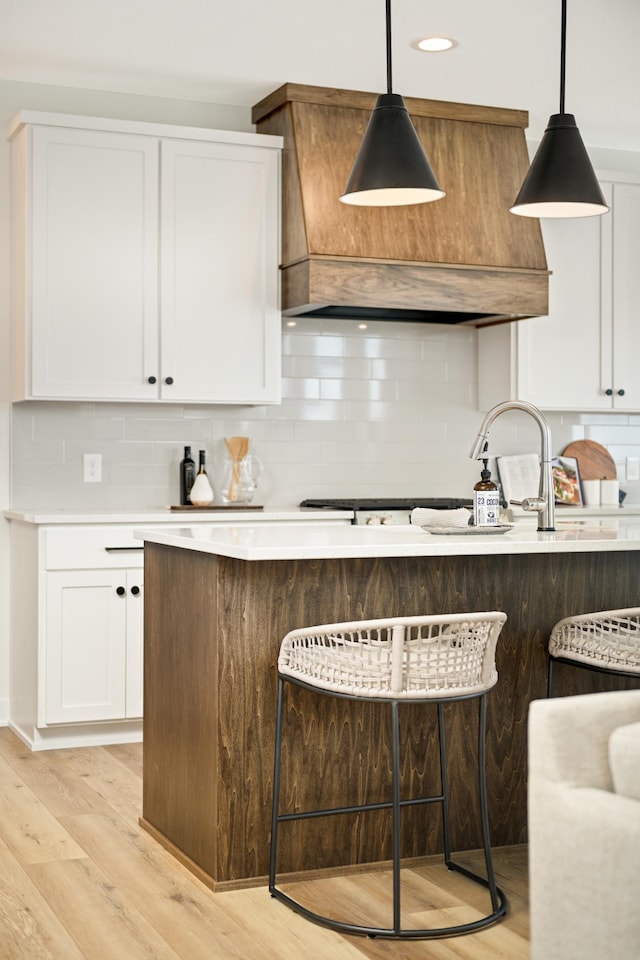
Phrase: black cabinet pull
x=122 y=549
x=135 y=591
x=120 y=591
x=621 y=393
x=169 y=380
x=151 y=380
x=609 y=392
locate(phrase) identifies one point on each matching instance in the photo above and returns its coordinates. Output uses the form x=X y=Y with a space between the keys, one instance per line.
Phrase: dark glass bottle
x=187 y=476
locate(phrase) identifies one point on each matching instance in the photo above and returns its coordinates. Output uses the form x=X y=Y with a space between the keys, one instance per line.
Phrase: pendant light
x=561 y=181
x=391 y=168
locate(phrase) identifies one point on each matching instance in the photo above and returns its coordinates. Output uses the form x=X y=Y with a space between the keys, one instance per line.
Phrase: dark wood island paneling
x=213 y=627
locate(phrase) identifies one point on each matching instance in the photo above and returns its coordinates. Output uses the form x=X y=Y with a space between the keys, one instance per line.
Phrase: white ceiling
x=236 y=52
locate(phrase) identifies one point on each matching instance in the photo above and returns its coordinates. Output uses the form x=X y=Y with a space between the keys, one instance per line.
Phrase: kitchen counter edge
x=281 y=542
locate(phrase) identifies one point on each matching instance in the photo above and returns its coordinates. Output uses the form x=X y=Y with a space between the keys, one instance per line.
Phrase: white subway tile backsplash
x=343 y=389
x=302 y=388
x=314 y=346
x=616 y=434
x=389 y=410
x=309 y=410
x=344 y=367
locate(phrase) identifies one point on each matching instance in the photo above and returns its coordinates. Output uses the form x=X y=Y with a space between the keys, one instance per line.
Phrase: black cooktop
x=389 y=503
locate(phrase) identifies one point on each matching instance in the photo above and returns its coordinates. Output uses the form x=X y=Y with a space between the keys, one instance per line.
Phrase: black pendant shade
x=391 y=168
x=561 y=181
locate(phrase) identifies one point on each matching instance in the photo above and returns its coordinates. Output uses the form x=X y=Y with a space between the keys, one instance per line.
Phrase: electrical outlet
x=633 y=468
x=93 y=468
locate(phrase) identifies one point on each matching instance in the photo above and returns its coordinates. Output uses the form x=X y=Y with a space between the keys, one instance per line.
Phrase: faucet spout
x=546 y=513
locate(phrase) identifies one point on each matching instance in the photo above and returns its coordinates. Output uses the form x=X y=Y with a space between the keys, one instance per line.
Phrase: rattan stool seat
x=440 y=658
x=607 y=641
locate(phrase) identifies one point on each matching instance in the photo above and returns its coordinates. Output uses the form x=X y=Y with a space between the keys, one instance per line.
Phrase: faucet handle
x=536 y=504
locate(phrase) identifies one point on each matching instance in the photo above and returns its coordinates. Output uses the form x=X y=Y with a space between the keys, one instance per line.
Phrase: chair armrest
x=569 y=736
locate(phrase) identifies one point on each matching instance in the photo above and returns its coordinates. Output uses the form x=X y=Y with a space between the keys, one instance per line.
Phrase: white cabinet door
x=583 y=356
x=220 y=317
x=93 y=273
x=559 y=356
x=93 y=650
x=625 y=296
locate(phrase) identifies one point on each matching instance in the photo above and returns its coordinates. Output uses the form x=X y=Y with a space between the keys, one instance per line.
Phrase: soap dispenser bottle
x=201 y=491
x=486 y=500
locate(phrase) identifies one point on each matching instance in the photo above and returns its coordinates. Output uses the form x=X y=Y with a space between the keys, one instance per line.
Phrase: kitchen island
x=218 y=602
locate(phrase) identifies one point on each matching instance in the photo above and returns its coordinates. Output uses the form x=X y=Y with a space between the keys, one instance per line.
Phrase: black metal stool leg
x=484 y=810
x=550 y=679
x=395 y=755
x=273 y=852
x=444 y=785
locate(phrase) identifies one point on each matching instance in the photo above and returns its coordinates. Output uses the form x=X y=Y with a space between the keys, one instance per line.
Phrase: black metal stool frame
x=585 y=666
x=499 y=903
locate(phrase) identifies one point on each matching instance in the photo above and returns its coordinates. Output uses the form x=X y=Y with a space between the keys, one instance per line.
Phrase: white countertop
x=273 y=514
x=166 y=515
x=280 y=542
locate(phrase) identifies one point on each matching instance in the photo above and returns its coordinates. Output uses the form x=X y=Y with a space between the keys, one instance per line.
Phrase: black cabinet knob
x=151 y=380
x=621 y=393
x=169 y=380
x=120 y=591
x=609 y=392
x=135 y=591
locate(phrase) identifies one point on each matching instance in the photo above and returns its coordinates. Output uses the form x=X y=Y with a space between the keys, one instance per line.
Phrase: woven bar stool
x=606 y=642
x=433 y=658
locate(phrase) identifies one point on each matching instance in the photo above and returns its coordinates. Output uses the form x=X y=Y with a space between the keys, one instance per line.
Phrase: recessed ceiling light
x=436 y=44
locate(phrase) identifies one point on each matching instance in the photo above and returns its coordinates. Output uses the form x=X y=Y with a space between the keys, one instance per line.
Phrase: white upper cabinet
x=145 y=262
x=219 y=272
x=622 y=298
x=580 y=356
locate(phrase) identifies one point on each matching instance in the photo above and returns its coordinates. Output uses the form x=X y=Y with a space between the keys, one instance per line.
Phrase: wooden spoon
x=238 y=448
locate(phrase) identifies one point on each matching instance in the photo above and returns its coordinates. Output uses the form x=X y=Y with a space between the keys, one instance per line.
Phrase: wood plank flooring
x=79 y=880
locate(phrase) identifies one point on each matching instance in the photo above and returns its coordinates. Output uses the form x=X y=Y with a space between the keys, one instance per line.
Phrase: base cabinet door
x=92 y=618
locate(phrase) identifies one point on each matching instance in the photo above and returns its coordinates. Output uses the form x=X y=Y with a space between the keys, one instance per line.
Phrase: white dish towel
x=427 y=517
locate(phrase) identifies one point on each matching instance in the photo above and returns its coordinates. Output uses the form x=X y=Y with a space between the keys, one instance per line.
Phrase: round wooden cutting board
x=594 y=461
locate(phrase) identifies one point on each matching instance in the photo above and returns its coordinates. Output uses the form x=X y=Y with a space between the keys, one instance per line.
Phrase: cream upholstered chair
x=584 y=826
x=432 y=658
x=607 y=642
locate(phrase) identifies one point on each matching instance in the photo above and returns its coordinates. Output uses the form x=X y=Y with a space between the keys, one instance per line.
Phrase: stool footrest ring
x=403 y=933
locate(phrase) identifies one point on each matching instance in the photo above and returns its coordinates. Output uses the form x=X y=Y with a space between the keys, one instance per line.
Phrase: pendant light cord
x=389 y=84
x=563 y=48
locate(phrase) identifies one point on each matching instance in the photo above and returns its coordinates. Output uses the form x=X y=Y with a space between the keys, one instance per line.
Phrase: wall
x=388 y=410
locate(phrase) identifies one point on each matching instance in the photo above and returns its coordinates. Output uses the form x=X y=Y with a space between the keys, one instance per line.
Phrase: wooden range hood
x=463 y=259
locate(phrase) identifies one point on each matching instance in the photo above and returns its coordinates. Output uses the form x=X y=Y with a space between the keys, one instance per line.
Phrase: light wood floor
x=79 y=880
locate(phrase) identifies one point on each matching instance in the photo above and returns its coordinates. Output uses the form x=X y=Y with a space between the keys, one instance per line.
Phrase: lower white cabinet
x=76 y=648
x=76 y=634
x=93 y=659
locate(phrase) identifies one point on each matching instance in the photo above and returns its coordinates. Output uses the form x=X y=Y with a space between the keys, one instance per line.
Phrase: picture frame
x=567 y=486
